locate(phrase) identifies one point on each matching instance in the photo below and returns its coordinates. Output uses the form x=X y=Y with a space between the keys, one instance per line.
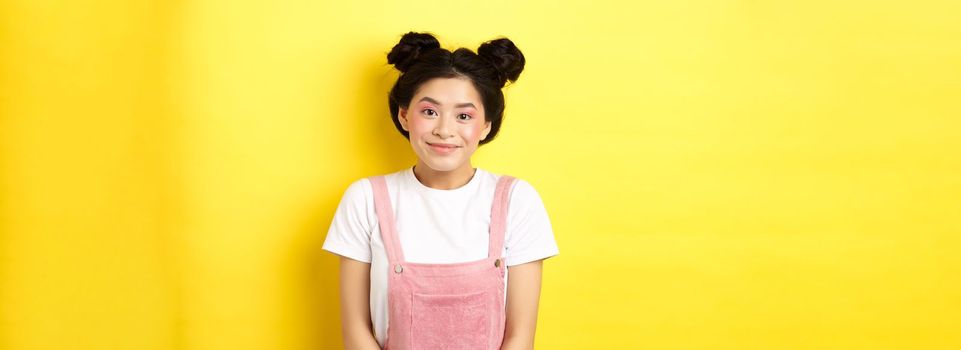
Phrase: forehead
x=449 y=91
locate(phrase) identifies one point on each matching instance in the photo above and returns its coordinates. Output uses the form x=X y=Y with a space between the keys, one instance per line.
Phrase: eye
x=468 y=116
x=429 y=112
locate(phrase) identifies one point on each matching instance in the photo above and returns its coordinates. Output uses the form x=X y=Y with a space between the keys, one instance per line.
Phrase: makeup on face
x=463 y=112
x=445 y=122
x=443 y=148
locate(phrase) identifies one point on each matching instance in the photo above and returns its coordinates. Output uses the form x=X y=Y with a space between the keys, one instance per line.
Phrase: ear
x=487 y=130
x=402 y=117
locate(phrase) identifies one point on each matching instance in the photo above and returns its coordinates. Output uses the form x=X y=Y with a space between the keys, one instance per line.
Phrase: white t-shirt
x=436 y=227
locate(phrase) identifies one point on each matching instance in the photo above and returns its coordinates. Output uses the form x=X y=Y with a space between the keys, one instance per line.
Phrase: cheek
x=419 y=125
x=472 y=131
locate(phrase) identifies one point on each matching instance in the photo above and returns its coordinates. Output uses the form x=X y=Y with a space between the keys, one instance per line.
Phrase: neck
x=444 y=180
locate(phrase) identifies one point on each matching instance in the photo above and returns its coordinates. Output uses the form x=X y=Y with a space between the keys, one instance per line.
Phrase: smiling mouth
x=442 y=149
x=440 y=145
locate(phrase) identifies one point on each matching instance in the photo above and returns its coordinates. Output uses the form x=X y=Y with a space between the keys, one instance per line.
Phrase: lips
x=442 y=148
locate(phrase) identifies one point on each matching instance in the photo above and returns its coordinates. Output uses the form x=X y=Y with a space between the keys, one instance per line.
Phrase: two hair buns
x=501 y=53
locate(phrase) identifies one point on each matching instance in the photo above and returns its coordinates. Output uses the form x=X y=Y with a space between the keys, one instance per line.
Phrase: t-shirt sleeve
x=529 y=235
x=350 y=229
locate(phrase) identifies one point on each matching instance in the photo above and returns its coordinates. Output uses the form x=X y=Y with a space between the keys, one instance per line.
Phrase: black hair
x=419 y=58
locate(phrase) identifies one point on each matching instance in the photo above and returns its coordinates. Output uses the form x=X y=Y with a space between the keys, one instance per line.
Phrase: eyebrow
x=459 y=105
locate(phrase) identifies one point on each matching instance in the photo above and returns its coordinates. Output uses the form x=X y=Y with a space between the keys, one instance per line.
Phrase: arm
x=523 y=294
x=355 y=305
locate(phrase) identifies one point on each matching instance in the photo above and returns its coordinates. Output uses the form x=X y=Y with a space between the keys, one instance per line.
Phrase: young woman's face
x=446 y=123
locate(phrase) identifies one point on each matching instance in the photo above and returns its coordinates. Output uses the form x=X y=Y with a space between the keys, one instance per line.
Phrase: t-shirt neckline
x=424 y=188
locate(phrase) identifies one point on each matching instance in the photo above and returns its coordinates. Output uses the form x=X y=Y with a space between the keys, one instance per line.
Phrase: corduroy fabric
x=456 y=306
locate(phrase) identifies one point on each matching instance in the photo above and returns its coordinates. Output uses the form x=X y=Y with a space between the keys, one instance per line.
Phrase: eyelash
x=435 y=113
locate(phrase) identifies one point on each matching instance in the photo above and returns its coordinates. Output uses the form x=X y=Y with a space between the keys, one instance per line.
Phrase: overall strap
x=499 y=215
x=385 y=216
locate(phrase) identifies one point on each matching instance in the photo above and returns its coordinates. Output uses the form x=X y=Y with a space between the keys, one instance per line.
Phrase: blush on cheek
x=473 y=133
x=418 y=124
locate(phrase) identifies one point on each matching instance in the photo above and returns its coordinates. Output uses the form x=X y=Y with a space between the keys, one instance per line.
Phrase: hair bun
x=505 y=56
x=411 y=45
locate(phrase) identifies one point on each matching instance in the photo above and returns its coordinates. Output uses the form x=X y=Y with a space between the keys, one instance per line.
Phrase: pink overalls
x=445 y=306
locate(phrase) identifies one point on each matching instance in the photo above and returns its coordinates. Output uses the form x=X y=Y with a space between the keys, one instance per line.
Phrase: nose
x=442 y=129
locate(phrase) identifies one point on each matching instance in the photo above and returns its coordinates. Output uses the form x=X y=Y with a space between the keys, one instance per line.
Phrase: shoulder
x=363 y=188
x=358 y=190
x=521 y=190
x=525 y=198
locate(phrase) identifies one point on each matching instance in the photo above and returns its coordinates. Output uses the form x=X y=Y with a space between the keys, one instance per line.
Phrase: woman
x=443 y=255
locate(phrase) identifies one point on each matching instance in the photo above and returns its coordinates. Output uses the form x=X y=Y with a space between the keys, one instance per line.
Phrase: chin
x=442 y=165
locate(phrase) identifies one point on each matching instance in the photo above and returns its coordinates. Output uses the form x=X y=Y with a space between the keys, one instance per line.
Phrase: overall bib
x=459 y=306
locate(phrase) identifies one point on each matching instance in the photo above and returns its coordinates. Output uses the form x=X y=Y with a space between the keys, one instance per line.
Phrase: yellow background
x=719 y=174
